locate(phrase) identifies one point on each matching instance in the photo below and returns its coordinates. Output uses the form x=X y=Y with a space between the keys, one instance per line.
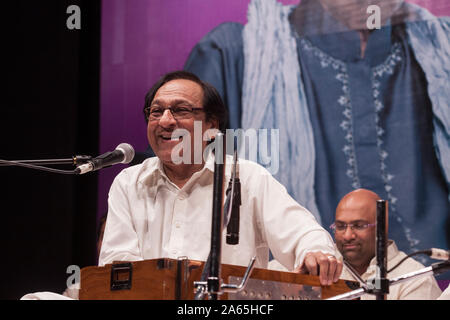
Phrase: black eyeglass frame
x=173 y=112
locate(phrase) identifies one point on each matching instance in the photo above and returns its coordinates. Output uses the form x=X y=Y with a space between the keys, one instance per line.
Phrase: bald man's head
x=361 y=201
x=355 y=232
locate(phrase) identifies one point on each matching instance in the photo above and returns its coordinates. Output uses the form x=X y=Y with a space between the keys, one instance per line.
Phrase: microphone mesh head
x=127 y=150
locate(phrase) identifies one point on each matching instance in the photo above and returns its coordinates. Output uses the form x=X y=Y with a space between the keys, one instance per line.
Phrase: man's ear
x=214 y=123
x=210 y=134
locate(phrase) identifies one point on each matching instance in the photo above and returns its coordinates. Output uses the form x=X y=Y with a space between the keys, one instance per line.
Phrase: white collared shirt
x=149 y=217
x=423 y=288
x=445 y=295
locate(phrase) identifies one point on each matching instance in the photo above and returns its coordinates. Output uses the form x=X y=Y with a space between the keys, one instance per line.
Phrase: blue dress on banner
x=371 y=117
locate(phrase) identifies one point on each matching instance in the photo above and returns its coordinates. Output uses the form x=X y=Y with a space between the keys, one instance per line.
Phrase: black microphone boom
x=75 y=160
x=124 y=153
x=381 y=281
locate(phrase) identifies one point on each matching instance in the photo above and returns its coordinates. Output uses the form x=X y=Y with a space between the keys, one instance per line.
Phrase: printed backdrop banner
x=143 y=39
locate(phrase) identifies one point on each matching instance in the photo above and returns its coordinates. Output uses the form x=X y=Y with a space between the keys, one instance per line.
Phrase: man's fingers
x=324 y=265
x=327 y=267
x=311 y=265
x=338 y=272
x=332 y=266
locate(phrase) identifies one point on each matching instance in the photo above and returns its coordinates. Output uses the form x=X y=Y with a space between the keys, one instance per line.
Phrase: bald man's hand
x=326 y=266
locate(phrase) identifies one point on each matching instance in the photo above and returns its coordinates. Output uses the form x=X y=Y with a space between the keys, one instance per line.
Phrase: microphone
x=124 y=153
x=235 y=193
x=439 y=254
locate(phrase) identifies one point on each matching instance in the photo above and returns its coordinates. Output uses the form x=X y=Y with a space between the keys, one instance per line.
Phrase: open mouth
x=170 y=137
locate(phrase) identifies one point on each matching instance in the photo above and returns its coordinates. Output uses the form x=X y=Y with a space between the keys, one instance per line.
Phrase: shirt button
x=177 y=225
x=174 y=252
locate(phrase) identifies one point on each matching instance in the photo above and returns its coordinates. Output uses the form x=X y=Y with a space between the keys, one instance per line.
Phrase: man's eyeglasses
x=178 y=112
x=355 y=226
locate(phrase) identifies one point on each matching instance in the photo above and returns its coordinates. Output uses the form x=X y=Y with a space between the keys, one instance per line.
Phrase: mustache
x=346 y=242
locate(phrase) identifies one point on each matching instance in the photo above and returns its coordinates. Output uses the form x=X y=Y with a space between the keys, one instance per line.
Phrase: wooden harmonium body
x=169 y=279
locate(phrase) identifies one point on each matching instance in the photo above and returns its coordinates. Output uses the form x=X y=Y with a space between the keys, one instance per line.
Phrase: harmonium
x=173 y=279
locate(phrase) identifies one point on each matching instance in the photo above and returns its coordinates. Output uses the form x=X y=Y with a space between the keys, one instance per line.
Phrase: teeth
x=170 y=138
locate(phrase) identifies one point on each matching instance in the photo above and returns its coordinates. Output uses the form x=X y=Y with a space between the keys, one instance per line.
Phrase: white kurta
x=445 y=295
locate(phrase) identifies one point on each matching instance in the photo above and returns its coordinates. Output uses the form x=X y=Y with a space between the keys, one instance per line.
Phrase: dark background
x=50 y=109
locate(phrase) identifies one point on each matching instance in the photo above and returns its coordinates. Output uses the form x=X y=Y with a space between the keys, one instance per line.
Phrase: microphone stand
x=40 y=164
x=213 y=286
x=381 y=281
x=213 y=283
x=75 y=160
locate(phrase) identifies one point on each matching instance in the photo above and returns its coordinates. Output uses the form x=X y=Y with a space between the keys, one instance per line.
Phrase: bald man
x=354 y=232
